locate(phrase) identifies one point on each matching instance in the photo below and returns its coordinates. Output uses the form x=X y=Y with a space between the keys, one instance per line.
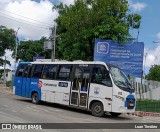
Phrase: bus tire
x=35 y=99
x=97 y=109
x=115 y=114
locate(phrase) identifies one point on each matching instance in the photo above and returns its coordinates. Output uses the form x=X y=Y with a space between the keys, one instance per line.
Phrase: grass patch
x=148 y=105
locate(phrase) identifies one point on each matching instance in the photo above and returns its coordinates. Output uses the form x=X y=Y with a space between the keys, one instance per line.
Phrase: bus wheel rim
x=97 y=109
x=35 y=98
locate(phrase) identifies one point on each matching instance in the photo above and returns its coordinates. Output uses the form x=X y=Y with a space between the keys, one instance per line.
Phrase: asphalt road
x=15 y=109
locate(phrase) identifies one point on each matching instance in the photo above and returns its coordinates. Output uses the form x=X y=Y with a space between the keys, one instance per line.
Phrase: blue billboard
x=129 y=56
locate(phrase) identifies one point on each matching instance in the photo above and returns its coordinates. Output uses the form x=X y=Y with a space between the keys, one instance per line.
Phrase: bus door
x=80 y=86
x=26 y=81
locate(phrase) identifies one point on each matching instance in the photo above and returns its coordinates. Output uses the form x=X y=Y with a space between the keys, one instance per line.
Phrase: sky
x=34 y=17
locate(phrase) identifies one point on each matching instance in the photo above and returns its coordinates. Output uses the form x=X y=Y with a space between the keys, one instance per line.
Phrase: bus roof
x=70 y=62
x=65 y=62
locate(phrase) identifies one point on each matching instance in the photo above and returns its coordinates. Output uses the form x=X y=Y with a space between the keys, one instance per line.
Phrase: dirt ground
x=5 y=89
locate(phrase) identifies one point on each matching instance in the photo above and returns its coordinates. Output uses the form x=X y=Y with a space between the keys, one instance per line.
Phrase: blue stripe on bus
x=34 y=87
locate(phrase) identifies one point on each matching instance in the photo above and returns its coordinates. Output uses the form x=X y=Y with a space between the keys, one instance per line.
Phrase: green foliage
x=148 y=105
x=78 y=25
x=154 y=73
x=29 y=49
x=2 y=71
x=9 y=83
x=7 y=41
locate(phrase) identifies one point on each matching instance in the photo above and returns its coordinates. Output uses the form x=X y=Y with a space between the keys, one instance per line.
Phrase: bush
x=148 y=105
x=9 y=83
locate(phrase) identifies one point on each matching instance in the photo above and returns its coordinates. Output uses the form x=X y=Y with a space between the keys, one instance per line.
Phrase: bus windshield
x=120 y=79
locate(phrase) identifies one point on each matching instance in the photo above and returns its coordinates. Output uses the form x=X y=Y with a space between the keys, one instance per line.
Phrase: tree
x=154 y=73
x=2 y=72
x=78 y=25
x=29 y=49
x=7 y=41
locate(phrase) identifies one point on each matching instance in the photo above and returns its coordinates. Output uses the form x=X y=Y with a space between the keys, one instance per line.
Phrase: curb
x=142 y=114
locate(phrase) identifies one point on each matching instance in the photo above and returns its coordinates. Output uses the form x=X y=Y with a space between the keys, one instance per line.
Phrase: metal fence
x=147 y=89
x=148 y=95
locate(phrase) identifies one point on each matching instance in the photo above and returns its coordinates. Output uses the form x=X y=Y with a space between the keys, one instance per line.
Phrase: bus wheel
x=35 y=99
x=97 y=109
x=115 y=114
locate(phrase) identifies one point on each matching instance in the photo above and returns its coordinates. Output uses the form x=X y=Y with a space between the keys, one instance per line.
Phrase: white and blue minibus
x=94 y=86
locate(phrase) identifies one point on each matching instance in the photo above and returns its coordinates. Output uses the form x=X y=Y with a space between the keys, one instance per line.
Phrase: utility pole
x=53 y=38
x=4 y=76
x=51 y=43
x=16 y=42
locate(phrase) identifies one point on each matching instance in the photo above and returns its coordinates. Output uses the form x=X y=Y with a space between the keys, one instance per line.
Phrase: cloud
x=152 y=57
x=158 y=36
x=137 y=7
x=33 y=18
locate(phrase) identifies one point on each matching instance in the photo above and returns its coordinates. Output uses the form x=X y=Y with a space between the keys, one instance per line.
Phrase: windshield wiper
x=126 y=84
x=129 y=84
x=120 y=82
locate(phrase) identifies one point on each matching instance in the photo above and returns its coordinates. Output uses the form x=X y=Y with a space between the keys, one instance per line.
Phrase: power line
x=27 y=17
x=26 y=22
x=8 y=16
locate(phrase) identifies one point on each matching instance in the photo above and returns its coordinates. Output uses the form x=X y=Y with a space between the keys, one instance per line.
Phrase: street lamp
x=16 y=49
x=37 y=54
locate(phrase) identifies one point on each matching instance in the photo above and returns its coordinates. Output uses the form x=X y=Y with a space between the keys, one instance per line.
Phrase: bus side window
x=64 y=72
x=49 y=72
x=25 y=73
x=37 y=70
x=77 y=79
x=20 y=69
x=100 y=75
x=85 y=78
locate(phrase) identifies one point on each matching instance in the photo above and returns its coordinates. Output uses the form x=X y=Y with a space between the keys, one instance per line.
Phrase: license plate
x=131 y=105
